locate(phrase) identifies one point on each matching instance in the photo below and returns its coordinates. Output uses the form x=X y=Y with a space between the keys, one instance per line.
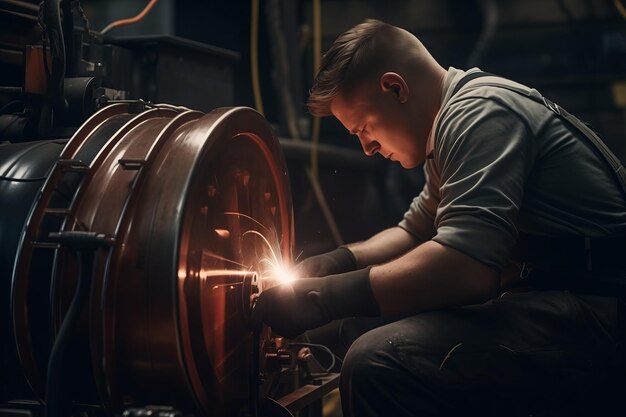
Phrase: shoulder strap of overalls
x=613 y=161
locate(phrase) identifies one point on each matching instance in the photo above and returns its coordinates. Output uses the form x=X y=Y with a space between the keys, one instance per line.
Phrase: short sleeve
x=481 y=152
x=419 y=219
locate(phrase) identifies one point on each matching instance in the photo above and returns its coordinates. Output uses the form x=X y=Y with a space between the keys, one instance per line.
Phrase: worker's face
x=383 y=123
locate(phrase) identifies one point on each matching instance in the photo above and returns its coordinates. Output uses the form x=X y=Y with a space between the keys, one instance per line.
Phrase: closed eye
x=358 y=131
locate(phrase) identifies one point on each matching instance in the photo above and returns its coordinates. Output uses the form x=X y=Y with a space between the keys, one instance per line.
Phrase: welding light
x=283 y=274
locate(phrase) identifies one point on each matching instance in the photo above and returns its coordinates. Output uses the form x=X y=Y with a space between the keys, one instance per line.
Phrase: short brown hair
x=348 y=61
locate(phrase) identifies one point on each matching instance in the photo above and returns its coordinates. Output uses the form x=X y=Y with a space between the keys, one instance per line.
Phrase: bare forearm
x=429 y=277
x=382 y=247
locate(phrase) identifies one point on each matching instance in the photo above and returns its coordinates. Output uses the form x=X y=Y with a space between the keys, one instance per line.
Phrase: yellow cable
x=620 y=8
x=254 y=56
x=128 y=21
x=313 y=172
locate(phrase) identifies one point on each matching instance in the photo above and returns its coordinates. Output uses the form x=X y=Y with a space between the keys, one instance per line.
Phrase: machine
x=135 y=236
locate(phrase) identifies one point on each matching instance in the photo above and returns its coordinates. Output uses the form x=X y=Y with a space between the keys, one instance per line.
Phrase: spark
x=231 y=286
x=234 y=213
x=254 y=232
x=222 y=232
x=268 y=265
x=222 y=272
x=274 y=267
x=214 y=255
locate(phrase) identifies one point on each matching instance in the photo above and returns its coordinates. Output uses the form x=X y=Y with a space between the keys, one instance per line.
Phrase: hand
x=307 y=303
x=291 y=309
x=334 y=262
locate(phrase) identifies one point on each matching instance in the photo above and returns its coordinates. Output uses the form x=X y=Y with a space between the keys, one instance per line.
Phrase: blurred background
x=263 y=54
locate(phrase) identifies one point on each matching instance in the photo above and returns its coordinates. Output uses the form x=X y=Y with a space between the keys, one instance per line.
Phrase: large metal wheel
x=200 y=208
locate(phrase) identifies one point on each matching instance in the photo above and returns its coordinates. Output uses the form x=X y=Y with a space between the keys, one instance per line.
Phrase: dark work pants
x=541 y=353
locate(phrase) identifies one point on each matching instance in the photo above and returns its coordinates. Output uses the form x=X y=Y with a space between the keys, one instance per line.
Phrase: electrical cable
x=52 y=21
x=334 y=358
x=128 y=21
x=313 y=172
x=282 y=76
x=68 y=27
x=22 y=4
x=44 y=52
x=83 y=16
x=317 y=60
x=489 y=10
x=254 y=56
x=44 y=39
x=290 y=114
x=566 y=11
x=620 y=8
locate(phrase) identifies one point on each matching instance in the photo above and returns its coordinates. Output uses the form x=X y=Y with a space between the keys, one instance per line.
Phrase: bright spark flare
x=272 y=266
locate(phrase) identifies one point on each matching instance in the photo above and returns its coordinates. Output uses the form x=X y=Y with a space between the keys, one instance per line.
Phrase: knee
x=375 y=380
x=369 y=359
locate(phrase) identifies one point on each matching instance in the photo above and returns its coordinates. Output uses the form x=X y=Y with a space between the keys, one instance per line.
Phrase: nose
x=370 y=146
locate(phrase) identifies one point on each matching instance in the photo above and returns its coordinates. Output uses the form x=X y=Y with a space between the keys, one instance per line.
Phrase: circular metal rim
x=226 y=124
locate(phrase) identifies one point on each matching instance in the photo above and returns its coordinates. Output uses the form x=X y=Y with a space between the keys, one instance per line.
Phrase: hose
x=254 y=56
x=277 y=38
x=52 y=19
x=128 y=21
x=489 y=10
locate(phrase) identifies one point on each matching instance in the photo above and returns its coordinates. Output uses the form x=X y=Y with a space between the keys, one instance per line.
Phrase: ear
x=395 y=83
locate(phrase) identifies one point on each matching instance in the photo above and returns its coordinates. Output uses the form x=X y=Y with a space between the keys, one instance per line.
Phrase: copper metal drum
x=200 y=209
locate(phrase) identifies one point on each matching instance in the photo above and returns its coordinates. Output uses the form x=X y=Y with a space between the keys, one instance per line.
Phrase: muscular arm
x=382 y=247
x=430 y=277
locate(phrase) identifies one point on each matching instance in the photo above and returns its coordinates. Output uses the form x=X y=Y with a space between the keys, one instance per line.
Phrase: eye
x=360 y=131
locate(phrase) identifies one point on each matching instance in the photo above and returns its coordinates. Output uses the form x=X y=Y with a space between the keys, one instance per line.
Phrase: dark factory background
x=574 y=51
x=262 y=54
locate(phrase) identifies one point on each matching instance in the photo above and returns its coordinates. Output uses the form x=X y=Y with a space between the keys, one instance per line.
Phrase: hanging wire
x=44 y=40
x=287 y=102
x=254 y=56
x=83 y=16
x=313 y=171
x=317 y=60
x=620 y=8
x=333 y=358
x=282 y=76
x=131 y=20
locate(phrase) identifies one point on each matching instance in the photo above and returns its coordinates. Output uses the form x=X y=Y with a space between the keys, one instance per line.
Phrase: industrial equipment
x=133 y=235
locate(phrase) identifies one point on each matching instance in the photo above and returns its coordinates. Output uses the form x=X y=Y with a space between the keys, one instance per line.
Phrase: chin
x=408 y=164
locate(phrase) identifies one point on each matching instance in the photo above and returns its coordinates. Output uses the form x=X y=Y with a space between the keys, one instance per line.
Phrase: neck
x=437 y=91
x=430 y=87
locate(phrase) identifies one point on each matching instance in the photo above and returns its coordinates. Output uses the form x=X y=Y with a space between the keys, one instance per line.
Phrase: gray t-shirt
x=502 y=163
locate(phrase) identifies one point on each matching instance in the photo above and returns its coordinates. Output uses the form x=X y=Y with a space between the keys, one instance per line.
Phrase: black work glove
x=334 y=262
x=306 y=303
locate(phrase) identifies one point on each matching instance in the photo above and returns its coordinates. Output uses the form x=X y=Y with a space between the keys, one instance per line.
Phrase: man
x=507 y=179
